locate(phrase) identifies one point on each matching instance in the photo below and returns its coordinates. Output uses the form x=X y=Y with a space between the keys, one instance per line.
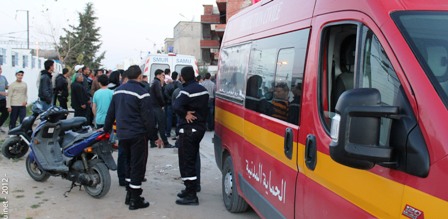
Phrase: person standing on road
x=61 y=89
x=191 y=106
x=132 y=110
x=211 y=88
x=17 y=99
x=101 y=101
x=158 y=103
x=45 y=85
x=79 y=97
x=3 y=94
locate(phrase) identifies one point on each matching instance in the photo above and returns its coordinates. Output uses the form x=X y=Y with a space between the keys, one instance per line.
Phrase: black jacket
x=61 y=88
x=192 y=97
x=156 y=93
x=45 y=87
x=131 y=109
x=169 y=89
x=79 y=95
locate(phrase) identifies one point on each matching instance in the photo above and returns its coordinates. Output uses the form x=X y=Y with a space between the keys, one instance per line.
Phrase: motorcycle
x=19 y=139
x=82 y=158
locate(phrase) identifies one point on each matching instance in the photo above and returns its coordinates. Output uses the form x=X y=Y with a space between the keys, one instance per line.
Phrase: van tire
x=232 y=200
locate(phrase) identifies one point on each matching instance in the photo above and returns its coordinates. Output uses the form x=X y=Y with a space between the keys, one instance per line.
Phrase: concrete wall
x=187 y=37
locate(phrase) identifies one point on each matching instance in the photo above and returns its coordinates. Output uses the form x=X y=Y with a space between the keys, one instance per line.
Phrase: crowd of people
x=138 y=112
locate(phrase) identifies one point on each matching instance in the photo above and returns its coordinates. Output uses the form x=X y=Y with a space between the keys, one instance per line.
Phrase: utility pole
x=27 y=27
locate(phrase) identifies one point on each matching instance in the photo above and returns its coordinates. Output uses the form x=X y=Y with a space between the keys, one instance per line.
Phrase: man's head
x=297 y=90
x=281 y=91
x=174 y=75
x=19 y=75
x=208 y=76
x=86 y=70
x=133 y=73
x=78 y=68
x=79 y=77
x=98 y=72
x=65 y=71
x=145 y=78
x=167 y=71
x=160 y=74
x=187 y=74
x=103 y=80
x=49 y=65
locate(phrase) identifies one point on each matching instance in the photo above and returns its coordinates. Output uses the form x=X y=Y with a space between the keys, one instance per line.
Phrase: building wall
x=187 y=37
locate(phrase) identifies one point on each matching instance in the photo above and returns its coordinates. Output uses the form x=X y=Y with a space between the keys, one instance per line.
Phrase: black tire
x=102 y=176
x=232 y=200
x=34 y=171
x=14 y=147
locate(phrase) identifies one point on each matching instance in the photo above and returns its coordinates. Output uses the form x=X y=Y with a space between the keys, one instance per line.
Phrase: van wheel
x=232 y=200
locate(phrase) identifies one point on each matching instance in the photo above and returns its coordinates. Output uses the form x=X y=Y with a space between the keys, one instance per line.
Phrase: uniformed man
x=131 y=108
x=191 y=107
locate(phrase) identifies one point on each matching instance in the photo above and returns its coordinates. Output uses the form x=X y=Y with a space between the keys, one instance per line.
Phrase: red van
x=335 y=109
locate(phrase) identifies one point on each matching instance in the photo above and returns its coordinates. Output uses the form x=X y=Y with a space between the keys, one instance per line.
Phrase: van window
x=426 y=33
x=274 y=85
x=155 y=66
x=378 y=73
x=178 y=68
x=337 y=70
x=234 y=61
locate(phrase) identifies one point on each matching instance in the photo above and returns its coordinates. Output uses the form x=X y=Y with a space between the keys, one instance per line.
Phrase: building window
x=2 y=56
x=14 y=59
x=25 y=61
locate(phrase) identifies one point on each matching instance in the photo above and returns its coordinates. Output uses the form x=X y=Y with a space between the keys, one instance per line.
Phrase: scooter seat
x=75 y=122
x=71 y=138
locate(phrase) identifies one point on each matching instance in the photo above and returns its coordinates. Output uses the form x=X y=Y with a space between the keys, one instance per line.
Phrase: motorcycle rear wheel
x=34 y=171
x=101 y=173
x=14 y=147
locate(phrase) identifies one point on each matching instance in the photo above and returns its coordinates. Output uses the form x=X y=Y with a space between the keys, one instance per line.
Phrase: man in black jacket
x=132 y=110
x=45 y=86
x=80 y=97
x=61 y=88
x=191 y=107
x=158 y=103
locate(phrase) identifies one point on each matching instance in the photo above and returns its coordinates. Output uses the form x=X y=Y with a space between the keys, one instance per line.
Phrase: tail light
x=104 y=136
x=88 y=149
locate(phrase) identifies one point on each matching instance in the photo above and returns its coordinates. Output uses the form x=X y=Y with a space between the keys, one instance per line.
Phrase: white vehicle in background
x=174 y=62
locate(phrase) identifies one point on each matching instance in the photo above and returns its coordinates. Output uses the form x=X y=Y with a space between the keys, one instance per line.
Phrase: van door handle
x=310 y=152
x=289 y=134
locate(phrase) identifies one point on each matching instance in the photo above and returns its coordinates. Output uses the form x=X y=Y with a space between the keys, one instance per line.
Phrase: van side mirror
x=355 y=129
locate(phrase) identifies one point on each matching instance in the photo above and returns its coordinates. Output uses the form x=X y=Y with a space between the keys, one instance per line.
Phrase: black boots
x=135 y=201
x=183 y=192
x=188 y=199
x=188 y=196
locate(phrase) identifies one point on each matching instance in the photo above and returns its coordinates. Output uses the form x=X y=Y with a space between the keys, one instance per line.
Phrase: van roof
x=279 y=16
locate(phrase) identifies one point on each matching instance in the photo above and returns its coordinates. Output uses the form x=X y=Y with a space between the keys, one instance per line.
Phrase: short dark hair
x=208 y=75
x=167 y=71
x=96 y=71
x=64 y=71
x=174 y=75
x=48 y=64
x=145 y=76
x=187 y=73
x=84 y=68
x=103 y=80
x=133 y=72
x=20 y=72
x=158 y=72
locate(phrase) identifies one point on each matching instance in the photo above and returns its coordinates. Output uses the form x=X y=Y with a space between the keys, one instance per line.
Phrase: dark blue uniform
x=132 y=110
x=192 y=97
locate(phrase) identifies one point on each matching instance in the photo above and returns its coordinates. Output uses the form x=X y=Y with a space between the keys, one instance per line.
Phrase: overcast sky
x=128 y=28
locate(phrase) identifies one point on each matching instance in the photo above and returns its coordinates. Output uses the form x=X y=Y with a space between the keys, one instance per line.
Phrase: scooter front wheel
x=34 y=171
x=14 y=147
x=101 y=176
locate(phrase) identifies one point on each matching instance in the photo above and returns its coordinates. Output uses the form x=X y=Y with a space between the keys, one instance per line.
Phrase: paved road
x=29 y=199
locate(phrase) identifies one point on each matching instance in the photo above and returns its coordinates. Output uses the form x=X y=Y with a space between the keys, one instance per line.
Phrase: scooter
x=18 y=142
x=56 y=150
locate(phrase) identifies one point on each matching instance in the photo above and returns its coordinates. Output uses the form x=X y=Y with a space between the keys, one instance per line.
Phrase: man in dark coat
x=45 y=86
x=80 y=97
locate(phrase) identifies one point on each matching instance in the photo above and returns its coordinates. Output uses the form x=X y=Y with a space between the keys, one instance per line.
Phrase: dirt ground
x=27 y=198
